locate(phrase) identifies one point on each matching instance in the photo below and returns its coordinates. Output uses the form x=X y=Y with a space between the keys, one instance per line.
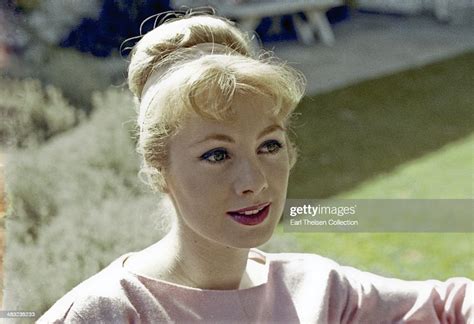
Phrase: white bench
x=250 y=13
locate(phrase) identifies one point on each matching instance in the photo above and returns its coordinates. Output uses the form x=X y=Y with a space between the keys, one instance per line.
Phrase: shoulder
x=102 y=296
x=311 y=269
x=315 y=265
x=303 y=261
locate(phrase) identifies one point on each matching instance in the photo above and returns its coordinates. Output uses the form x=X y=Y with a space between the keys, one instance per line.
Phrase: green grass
x=408 y=256
x=354 y=134
x=407 y=135
x=445 y=174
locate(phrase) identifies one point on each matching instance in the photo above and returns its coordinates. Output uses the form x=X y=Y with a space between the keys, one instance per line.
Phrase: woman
x=213 y=120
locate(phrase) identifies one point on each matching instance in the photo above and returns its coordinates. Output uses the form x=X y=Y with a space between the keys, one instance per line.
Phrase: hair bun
x=183 y=37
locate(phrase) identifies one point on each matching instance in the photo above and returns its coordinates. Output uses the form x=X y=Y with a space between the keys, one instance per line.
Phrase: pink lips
x=253 y=219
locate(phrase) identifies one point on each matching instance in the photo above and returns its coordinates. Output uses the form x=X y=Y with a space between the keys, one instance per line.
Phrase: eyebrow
x=226 y=138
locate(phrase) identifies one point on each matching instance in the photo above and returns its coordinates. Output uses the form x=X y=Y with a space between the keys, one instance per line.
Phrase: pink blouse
x=300 y=288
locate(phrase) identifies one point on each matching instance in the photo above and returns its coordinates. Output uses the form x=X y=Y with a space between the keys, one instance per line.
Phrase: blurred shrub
x=93 y=162
x=32 y=114
x=52 y=20
x=78 y=75
x=75 y=205
x=79 y=243
x=33 y=31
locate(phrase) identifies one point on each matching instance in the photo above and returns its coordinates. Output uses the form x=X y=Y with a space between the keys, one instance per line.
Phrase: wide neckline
x=253 y=254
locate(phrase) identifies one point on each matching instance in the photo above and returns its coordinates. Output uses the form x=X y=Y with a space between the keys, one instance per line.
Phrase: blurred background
x=388 y=114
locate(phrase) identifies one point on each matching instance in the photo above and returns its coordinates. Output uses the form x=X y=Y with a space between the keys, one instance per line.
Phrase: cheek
x=279 y=178
x=196 y=180
x=279 y=168
x=206 y=183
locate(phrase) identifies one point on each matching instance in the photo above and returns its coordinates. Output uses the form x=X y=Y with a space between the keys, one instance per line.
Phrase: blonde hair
x=199 y=63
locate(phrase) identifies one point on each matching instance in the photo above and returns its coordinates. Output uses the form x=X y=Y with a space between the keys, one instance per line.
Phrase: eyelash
x=211 y=153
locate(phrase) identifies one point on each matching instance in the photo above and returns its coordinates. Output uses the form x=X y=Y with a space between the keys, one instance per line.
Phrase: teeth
x=251 y=212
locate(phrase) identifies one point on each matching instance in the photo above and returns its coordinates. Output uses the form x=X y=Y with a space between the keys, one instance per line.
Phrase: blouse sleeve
x=374 y=299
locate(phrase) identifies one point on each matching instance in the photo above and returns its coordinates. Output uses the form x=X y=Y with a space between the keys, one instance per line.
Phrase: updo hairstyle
x=198 y=63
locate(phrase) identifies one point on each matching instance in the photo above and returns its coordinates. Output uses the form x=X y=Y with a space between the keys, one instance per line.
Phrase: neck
x=196 y=262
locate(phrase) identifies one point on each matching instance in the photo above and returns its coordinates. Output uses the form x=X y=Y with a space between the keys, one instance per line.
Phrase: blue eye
x=273 y=146
x=218 y=155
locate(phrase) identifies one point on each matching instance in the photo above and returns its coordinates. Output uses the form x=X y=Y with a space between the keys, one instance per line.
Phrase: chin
x=252 y=242
x=258 y=237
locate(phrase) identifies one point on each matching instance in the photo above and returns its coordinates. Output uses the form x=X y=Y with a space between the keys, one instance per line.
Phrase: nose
x=250 y=178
